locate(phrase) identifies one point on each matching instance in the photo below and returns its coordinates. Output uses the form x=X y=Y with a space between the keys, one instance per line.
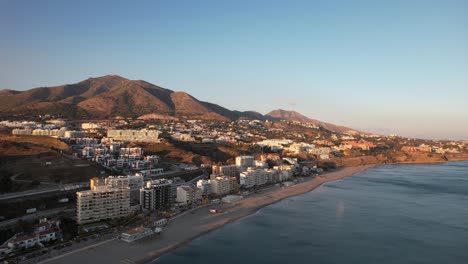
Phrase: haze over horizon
x=386 y=67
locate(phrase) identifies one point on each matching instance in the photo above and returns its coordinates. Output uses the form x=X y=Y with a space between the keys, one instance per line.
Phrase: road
x=39 y=214
x=29 y=193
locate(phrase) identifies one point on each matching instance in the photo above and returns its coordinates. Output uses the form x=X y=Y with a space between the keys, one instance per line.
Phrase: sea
x=387 y=214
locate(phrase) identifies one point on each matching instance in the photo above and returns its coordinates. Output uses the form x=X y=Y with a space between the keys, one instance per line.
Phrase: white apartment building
x=23 y=132
x=274 y=144
x=90 y=126
x=74 y=134
x=102 y=202
x=204 y=186
x=244 y=161
x=134 y=135
x=131 y=151
x=253 y=177
x=285 y=172
x=49 y=133
x=228 y=170
x=134 y=182
x=45 y=231
x=87 y=142
x=187 y=194
x=222 y=185
x=272 y=176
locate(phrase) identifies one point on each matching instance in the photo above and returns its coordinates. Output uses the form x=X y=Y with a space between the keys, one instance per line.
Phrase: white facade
x=134 y=135
x=49 y=133
x=45 y=231
x=244 y=161
x=131 y=181
x=23 y=132
x=204 y=186
x=187 y=194
x=90 y=126
x=253 y=177
x=135 y=234
x=74 y=134
x=102 y=202
x=220 y=186
x=228 y=170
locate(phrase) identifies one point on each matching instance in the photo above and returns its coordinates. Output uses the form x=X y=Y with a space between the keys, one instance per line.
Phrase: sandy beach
x=189 y=226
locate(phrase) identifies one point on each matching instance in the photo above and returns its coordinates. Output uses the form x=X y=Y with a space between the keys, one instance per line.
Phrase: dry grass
x=39 y=141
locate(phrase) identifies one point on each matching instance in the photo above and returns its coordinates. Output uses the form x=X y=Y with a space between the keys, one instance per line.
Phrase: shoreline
x=190 y=226
x=231 y=220
x=184 y=229
x=341 y=173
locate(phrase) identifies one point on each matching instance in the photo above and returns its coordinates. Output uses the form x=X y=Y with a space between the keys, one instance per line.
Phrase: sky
x=382 y=66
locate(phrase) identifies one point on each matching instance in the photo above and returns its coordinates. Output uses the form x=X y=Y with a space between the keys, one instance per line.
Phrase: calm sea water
x=388 y=214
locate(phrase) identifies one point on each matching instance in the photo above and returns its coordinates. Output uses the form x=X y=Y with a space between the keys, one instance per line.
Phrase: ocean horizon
x=388 y=214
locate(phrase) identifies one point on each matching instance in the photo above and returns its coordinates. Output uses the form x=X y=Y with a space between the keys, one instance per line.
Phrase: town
x=146 y=172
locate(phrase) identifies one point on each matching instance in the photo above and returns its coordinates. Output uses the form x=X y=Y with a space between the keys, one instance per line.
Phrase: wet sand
x=189 y=226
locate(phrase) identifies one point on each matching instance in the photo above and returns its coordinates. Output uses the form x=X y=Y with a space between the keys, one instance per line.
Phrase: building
x=188 y=194
x=74 y=134
x=260 y=164
x=134 y=135
x=96 y=182
x=222 y=185
x=253 y=177
x=228 y=170
x=131 y=151
x=364 y=145
x=134 y=182
x=136 y=234
x=102 y=202
x=319 y=151
x=204 y=186
x=156 y=195
x=244 y=161
x=44 y=232
x=23 y=132
x=49 y=133
x=90 y=126
x=285 y=172
x=182 y=137
x=298 y=148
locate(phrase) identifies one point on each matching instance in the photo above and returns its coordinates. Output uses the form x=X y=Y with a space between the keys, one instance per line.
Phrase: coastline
x=190 y=226
x=307 y=187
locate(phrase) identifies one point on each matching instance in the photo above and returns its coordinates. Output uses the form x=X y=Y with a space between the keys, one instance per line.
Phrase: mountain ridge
x=112 y=95
x=291 y=115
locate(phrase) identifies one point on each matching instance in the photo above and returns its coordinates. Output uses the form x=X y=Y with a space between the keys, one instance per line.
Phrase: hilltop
x=295 y=116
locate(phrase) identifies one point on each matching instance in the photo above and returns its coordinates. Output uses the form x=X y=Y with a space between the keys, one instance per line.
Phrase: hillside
x=112 y=95
x=109 y=96
x=295 y=116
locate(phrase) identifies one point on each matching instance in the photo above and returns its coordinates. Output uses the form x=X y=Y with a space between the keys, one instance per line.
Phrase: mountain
x=295 y=116
x=109 y=96
x=112 y=95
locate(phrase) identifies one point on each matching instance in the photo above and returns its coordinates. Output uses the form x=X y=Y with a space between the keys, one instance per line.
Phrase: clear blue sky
x=385 y=66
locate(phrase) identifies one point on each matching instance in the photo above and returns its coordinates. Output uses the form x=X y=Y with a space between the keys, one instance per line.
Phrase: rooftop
x=136 y=230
